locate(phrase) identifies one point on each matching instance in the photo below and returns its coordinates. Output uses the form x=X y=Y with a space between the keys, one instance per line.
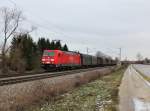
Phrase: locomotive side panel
x=70 y=59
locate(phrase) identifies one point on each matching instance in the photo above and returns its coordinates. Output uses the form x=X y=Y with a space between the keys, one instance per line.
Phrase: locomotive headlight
x=52 y=60
x=43 y=59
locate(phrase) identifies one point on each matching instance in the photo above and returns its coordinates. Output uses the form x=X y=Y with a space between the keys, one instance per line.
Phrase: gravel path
x=134 y=92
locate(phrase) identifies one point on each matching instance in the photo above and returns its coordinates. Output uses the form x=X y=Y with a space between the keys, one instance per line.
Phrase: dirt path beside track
x=134 y=92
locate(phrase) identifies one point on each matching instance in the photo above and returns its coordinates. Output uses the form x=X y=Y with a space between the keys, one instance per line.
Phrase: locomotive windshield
x=46 y=53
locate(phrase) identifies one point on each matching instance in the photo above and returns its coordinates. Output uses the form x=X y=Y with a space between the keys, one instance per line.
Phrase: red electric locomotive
x=59 y=59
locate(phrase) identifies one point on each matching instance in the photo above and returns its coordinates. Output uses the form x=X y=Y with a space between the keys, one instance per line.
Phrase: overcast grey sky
x=102 y=25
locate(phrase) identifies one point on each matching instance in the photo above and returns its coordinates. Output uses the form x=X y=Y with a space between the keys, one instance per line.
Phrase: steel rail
x=36 y=73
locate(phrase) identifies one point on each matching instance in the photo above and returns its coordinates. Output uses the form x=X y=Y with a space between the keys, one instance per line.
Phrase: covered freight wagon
x=86 y=60
x=94 y=61
x=100 y=61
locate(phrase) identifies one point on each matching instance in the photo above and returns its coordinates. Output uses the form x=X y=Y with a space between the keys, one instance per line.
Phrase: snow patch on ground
x=141 y=105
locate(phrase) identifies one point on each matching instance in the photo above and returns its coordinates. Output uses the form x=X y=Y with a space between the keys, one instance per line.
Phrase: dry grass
x=19 y=96
x=94 y=96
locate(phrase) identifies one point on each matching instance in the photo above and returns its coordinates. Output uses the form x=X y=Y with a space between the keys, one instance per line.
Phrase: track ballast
x=25 y=78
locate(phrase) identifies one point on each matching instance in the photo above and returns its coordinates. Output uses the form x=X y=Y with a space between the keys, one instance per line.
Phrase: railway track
x=25 y=78
x=22 y=74
x=36 y=73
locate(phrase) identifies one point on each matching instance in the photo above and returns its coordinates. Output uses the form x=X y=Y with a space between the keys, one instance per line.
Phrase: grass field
x=100 y=95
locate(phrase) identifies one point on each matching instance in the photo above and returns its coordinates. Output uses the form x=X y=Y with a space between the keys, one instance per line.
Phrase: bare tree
x=27 y=31
x=146 y=60
x=10 y=20
x=100 y=54
x=139 y=57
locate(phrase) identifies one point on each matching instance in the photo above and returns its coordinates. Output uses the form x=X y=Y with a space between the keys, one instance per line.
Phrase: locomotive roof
x=74 y=52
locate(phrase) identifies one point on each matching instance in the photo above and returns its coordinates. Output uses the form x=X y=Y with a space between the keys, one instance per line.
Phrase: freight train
x=66 y=59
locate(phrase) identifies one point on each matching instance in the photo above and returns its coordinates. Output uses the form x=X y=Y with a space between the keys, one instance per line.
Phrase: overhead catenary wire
x=13 y=3
x=50 y=27
x=58 y=30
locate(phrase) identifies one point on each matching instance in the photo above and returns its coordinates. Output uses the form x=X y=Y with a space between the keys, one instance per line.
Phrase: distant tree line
x=25 y=54
x=46 y=44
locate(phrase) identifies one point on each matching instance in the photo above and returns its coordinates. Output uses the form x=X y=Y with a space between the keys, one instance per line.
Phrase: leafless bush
x=16 y=62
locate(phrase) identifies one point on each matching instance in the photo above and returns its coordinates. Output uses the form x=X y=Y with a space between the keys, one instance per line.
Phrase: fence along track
x=19 y=79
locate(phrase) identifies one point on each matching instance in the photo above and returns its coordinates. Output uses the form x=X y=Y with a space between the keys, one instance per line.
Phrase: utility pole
x=120 y=51
x=87 y=50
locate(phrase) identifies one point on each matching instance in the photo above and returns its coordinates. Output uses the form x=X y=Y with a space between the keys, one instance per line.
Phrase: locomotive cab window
x=46 y=53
